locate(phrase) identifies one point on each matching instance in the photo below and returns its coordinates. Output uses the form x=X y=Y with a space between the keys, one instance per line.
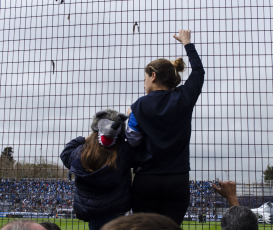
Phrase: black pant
x=168 y=195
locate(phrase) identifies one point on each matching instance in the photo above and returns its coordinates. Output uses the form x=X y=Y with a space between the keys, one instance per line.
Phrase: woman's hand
x=184 y=37
x=129 y=111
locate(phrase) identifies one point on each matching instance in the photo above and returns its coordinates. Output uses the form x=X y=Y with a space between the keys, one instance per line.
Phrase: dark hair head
x=166 y=71
x=142 y=221
x=239 y=218
x=50 y=226
x=22 y=224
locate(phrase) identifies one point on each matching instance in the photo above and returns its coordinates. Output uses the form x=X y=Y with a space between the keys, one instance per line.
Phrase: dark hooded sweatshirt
x=164 y=117
x=105 y=191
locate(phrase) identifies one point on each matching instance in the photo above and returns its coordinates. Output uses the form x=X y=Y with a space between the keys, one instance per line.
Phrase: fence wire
x=64 y=60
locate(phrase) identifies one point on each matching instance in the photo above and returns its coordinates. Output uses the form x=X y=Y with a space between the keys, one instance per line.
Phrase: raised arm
x=71 y=151
x=227 y=189
x=195 y=81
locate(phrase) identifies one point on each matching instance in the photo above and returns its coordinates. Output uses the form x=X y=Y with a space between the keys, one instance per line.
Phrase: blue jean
x=98 y=222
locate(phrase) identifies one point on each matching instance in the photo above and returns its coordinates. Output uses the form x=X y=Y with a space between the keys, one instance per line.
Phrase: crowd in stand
x=236 y=217
x=38 y=195
x=28 y=195
x=46 y=195
x=201 y=193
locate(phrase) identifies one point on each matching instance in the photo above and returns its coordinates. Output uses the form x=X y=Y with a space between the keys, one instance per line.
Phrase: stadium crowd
x=40 y=195
x=201 y=193
x=36 y=195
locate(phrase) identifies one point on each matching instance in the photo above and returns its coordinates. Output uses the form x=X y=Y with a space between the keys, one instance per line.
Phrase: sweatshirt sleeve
x=133 y=131
x=71 y=151
x=195 y=81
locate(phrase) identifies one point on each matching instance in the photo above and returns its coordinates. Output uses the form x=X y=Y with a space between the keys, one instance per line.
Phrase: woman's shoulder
x=144 y=101
x=140 y=99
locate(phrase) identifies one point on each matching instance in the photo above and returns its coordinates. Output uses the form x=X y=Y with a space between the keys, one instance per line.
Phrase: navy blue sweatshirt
x=104 y=191
x=165 y=117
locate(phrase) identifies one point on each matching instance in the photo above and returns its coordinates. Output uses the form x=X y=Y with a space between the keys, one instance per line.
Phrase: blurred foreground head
x=50 y=226
x=23 y=225
x=142 y=221
x=239 y=218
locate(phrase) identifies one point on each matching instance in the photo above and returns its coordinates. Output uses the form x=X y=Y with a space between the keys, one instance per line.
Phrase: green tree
x=9 y=168
x=268 y=173
x=43 y=170
x=8 y=154
x=7 y=163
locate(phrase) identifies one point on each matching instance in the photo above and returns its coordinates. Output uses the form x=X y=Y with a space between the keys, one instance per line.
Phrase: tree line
x=10 y=168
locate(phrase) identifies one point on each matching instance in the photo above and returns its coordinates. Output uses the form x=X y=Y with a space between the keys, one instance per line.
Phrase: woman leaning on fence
x=160 y=124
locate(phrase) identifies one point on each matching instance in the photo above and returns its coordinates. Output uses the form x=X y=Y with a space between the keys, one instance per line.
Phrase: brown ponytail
x=179 y=65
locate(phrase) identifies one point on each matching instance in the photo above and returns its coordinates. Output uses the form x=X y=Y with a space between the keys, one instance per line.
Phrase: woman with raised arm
x=160 y=124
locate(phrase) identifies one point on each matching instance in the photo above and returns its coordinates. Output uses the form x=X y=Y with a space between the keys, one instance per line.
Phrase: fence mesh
x=64 y=60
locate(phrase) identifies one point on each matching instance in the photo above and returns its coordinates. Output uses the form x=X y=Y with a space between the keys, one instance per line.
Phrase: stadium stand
x=48 y=196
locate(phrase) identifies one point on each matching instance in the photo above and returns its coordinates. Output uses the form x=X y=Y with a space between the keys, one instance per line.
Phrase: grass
x=75 y=224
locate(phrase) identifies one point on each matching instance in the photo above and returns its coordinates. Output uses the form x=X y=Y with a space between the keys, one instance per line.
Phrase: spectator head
x=163 y=72
x=239 y=218
x=50 y=226
x=101 y=147
x=23 y=225
x=142 y=221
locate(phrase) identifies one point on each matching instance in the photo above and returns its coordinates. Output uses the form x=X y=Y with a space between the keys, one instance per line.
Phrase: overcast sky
x=99 y=63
